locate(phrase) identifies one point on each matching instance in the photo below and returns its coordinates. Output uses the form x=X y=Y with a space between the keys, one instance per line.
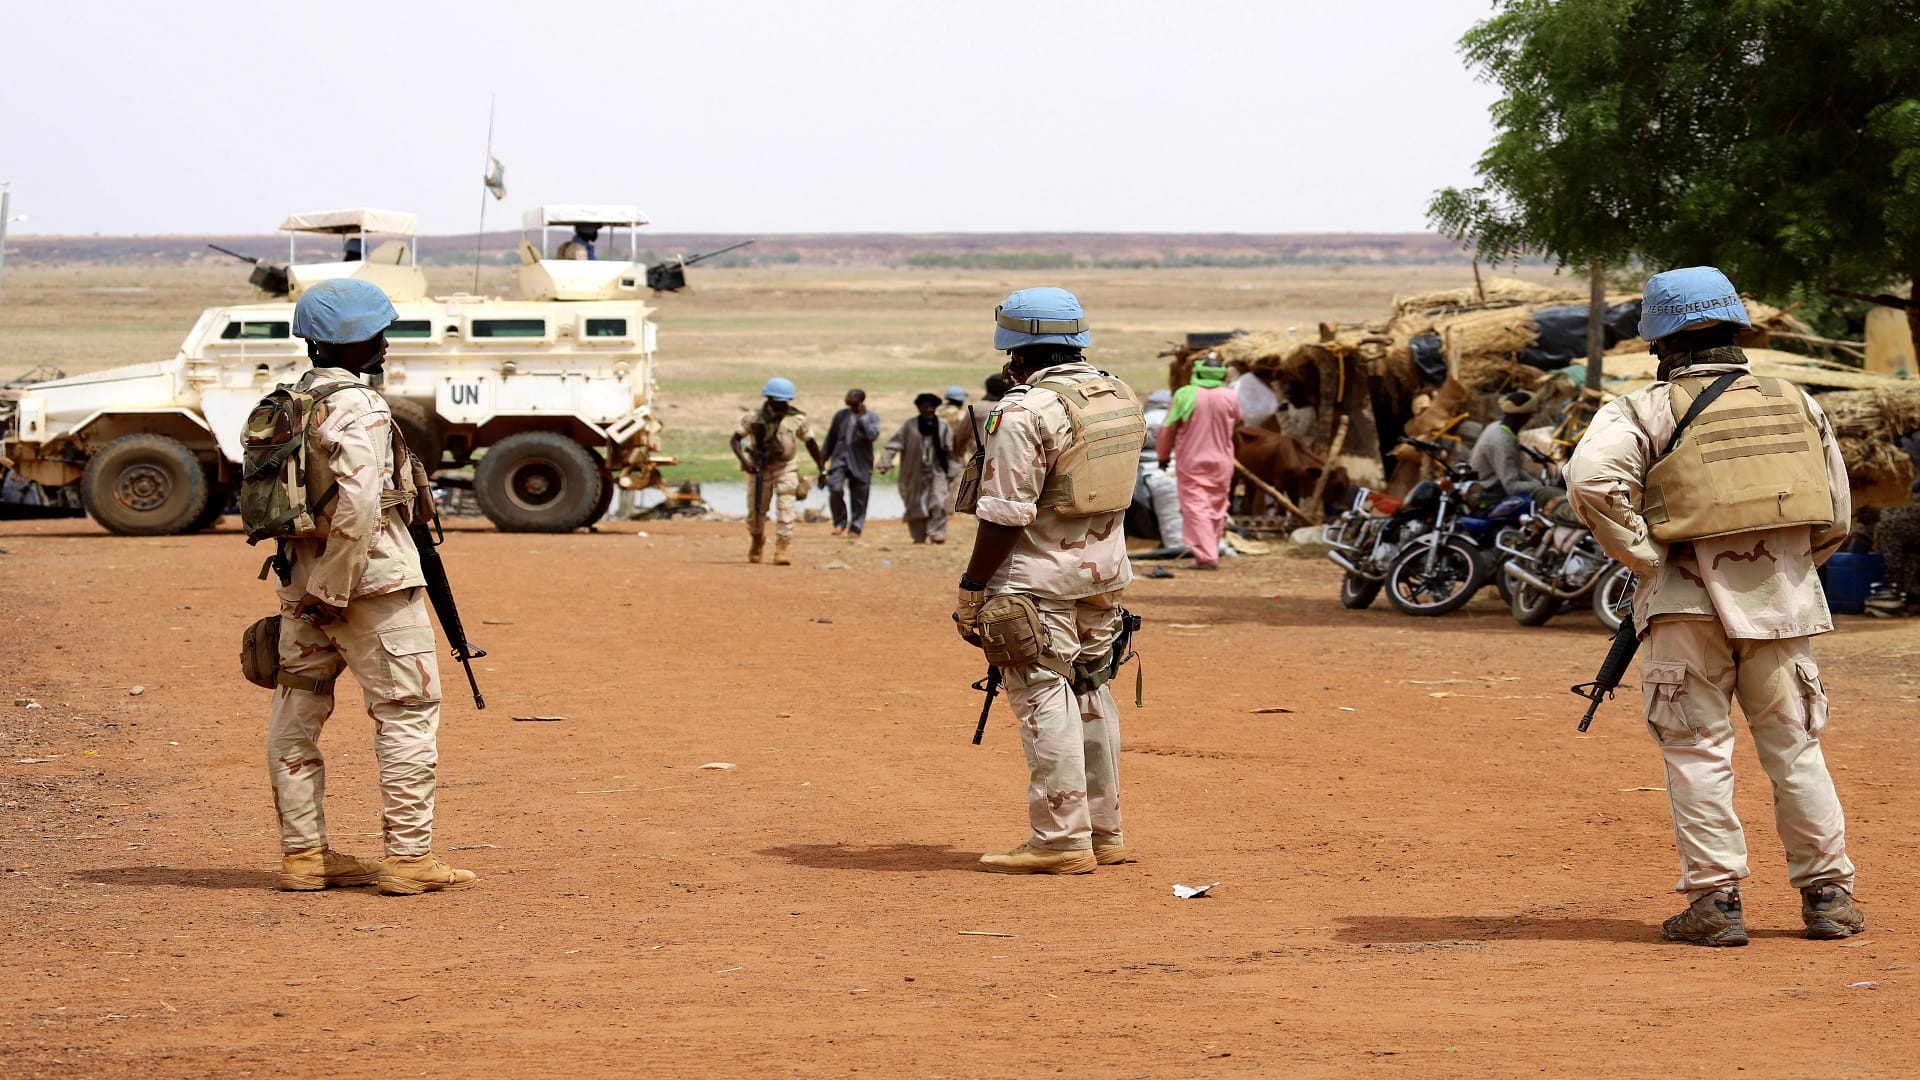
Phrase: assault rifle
x=991 y=685
x=441 y=593
x=1626 y=642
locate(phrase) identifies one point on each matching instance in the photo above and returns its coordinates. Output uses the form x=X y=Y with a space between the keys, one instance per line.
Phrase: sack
x=277 y=496
x=260 y=652
x=1095 y=475
x=1750 y=460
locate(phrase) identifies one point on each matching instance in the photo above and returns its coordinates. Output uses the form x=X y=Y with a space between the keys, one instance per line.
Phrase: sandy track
x=1443 y=881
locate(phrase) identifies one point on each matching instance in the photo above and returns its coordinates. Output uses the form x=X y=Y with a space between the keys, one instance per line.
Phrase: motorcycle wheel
x=1415 y=591
x=1531 y=606
x=1357 y=592
x=1613 y=596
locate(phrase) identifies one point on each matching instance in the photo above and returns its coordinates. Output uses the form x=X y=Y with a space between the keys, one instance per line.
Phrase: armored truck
x=549 y=397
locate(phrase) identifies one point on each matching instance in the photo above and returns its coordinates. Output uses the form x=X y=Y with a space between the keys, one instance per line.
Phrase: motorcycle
x=1367 y=536
x=1441 y=569
x=1553 y=562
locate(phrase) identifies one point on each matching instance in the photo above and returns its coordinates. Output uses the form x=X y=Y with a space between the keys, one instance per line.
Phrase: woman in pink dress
x=1199 y=432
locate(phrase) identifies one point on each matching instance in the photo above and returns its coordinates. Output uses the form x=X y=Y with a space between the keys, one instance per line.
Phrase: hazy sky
x=743 y=115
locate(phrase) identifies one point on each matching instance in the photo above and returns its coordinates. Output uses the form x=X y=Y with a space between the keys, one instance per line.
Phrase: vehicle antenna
x=486 y=188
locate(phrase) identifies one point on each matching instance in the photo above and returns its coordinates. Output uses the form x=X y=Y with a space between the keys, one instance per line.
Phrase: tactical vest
x=1096 y=473
x=284 y=490
x=1751 y=460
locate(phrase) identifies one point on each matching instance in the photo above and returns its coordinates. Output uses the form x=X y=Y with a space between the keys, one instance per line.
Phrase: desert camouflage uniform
x=364 y=561
x=1075 y=569
x=1724 y=618
x=779 y=479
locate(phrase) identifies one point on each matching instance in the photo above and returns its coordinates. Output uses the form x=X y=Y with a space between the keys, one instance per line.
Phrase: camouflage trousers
x=1072 y=741
x=388 y=644
x=1691 y=676
x=778 y=485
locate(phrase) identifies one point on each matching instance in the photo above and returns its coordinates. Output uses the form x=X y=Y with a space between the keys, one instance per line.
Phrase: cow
x=1289 y=465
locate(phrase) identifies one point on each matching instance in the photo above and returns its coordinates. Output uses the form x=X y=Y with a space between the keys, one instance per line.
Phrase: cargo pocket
x=410 y=668
x=1813 y=696
x=1666 y=714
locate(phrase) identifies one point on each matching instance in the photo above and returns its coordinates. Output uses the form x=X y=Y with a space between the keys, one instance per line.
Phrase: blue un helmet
x=956 y=393
x=1043 y=316
x=340 y=311
x=778 y=389
x=1687 y=299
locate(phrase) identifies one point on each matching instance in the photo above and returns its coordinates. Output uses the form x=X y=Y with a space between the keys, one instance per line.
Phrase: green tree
x=1776 y=139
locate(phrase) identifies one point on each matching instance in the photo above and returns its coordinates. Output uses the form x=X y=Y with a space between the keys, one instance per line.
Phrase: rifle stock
x=440 y=592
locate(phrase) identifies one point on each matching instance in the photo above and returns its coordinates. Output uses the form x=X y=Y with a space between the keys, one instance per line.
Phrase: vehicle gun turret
x=671 y=276
x=269 y=277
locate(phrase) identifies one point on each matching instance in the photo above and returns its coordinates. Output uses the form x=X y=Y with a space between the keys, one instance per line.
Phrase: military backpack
x=278 y=496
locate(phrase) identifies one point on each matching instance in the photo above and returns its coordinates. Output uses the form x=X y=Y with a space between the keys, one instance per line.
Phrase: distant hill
x=986 y=250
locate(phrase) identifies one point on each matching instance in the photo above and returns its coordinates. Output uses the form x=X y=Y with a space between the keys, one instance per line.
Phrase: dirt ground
x=1423 y=871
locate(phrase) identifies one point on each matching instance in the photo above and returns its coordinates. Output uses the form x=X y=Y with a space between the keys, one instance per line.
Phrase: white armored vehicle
x=550 y=397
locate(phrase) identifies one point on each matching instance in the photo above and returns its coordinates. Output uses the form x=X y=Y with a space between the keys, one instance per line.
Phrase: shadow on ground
x=178 y=877
x=1391 y=930
x=895 y=858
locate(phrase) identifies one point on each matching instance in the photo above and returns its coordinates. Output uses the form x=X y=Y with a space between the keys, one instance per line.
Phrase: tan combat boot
x=1110 y=851
x=1829 y=912
x=1714 y=919
x=323 y=868
x=1027 y=859
x=759 y=545
x=409 y=875
x=780 y=552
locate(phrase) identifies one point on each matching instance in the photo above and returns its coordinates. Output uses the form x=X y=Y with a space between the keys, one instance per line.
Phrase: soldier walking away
x=1496 y=453
x=1724 y=527
x=955 y=412
x=924 y=447
x=768 y=440
x=353 y=596
x=1041 y=594
x=1199 y=427
x=849 y=454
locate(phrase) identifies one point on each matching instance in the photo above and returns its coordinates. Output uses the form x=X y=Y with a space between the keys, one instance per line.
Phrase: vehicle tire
x=1357 y=592
x=606 y=497
x=217 y=499
x=1531 y=606
x=538 y=481
x=1456 y=570
x=421 y=430
x=1613 y=596
x=145 y=485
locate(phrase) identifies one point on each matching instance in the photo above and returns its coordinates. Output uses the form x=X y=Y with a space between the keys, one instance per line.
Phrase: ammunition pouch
x=1012 y=635
x=966 y=498
x=260 y=659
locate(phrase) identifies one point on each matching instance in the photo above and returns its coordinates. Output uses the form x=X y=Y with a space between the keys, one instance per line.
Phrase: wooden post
x=1596 y=316
x=1333 y=454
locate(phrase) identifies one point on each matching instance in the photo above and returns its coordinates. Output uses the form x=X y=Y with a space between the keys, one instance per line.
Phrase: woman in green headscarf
x=1199 y=428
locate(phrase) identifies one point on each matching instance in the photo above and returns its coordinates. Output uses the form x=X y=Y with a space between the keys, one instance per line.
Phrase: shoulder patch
x=993 y=421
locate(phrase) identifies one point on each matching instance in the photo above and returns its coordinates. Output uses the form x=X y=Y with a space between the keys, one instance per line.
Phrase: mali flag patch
x=993 y=422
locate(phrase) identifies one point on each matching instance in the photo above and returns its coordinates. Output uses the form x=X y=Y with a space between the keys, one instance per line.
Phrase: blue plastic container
x=1848 y=579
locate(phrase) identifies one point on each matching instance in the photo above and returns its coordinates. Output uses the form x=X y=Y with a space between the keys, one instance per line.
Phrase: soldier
x=1048 y=566
x=355 y=597
x=580 y=246
x=777 y=430
x=1724 y=527
x=953 y=410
